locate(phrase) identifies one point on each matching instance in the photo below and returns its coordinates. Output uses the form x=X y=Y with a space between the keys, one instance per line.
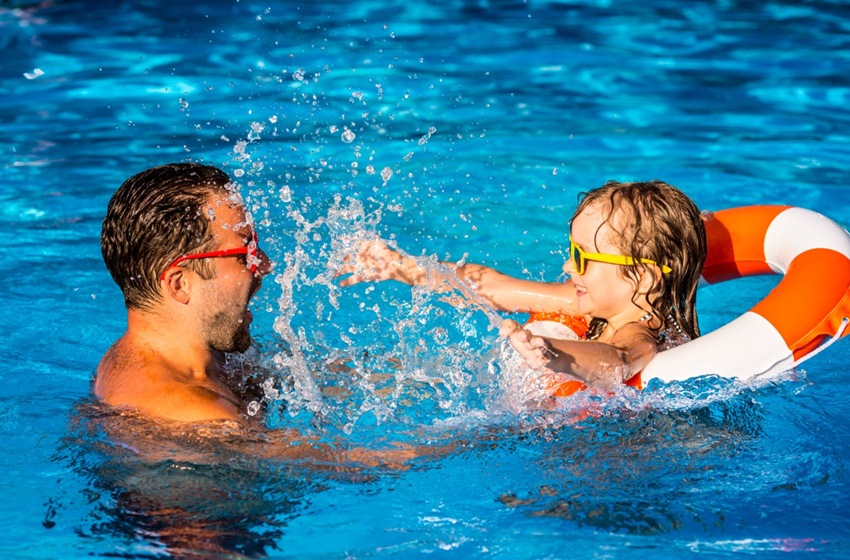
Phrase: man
x=178 y=243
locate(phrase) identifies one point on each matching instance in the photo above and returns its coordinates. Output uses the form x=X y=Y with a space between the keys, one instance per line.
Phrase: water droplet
x=427 y=136
x=348 y=136
x=36 y=72
x=253 y=408
x=386 y=174
x=285 y=193
x=269 y=389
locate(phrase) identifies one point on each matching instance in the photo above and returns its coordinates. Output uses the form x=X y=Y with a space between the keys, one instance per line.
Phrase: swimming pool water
x=464 y=130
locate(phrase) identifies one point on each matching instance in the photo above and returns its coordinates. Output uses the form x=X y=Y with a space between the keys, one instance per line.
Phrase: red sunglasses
x=249 y=250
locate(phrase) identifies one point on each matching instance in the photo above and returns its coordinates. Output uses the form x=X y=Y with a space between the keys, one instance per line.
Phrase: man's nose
x=265 y=264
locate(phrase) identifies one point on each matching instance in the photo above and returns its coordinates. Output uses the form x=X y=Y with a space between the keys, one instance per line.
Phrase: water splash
x=373 y=354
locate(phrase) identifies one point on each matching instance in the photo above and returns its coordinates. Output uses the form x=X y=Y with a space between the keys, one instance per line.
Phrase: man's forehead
x=229 y=196
x=227 y=211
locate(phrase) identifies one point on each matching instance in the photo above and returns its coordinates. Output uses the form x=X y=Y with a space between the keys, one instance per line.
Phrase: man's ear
x=177 y=285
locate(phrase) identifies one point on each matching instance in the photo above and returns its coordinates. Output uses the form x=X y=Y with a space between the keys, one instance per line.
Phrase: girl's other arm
x=598 y=364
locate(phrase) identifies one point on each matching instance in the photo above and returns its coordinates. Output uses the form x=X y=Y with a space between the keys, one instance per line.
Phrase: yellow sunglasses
x=580 y=258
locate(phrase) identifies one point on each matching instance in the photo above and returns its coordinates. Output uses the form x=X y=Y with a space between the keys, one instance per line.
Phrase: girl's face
x=603 y=290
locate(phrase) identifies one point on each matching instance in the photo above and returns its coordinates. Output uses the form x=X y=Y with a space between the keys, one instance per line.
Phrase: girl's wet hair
x=656 y=221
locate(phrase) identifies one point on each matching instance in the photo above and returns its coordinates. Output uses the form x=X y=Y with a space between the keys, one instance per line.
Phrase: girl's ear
x=649 y=280
x=177 y=285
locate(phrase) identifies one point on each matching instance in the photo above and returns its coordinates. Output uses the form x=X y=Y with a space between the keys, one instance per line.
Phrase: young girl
x=636 y=254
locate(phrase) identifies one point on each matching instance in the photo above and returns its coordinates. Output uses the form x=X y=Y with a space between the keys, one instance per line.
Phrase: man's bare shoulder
x=138 y=379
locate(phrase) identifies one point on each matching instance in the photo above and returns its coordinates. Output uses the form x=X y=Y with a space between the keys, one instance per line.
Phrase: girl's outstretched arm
x=375 y=262
x=598 y=364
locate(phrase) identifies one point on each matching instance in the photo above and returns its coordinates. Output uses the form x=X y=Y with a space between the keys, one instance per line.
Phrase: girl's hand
x=535 y=350
x=375 y=262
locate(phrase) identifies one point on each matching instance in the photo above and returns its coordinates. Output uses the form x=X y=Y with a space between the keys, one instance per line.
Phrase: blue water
x=487 y=119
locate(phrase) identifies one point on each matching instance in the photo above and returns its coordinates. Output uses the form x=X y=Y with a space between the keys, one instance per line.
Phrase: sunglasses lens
x=577 y=257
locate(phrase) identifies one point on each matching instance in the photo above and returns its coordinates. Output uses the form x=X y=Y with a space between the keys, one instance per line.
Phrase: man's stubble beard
x=226 y=333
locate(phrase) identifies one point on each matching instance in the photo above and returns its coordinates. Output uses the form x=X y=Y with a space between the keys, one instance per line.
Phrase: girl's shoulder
x=634 y=333
x=638 y=344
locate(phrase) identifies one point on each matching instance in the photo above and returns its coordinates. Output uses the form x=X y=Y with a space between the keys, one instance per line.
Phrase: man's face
x=225 y=315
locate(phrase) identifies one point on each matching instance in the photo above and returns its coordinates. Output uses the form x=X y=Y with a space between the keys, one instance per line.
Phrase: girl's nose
x=569 y=267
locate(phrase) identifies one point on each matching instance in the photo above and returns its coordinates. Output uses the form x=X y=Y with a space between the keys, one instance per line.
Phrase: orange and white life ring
x=803 y=314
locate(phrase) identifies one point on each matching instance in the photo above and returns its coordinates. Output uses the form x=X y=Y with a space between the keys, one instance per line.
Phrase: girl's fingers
x=508 y=327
